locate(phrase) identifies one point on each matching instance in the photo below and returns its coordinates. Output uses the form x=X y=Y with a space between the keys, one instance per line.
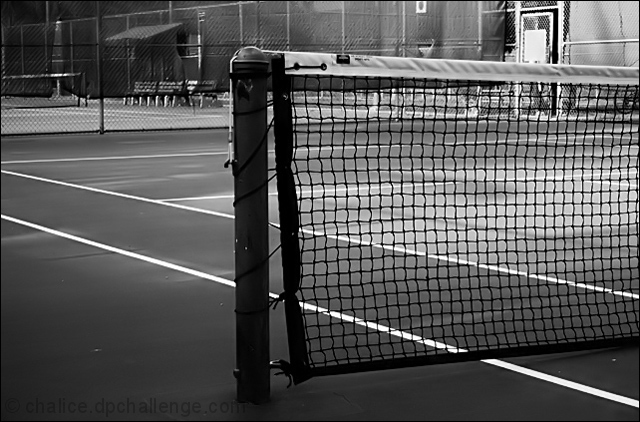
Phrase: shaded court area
x=118 y=302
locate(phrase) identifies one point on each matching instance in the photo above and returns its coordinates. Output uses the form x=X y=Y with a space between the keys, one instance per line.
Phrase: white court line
x=124 y=157
x=498 y=142
x=134 y=118
x=491 y=268
x=590 y=178
x=137 y=157
x=342 y=238
x=339 y=237
x=118 y=194
x=604 y=182
x=347 y=318
x=316 y=193
x=169 y=111
x=123 y=252
x=35 y=112
x=206 y=198
x=577 y=175
x=134 y=111
x=313 y=191
x=563 y=382
x=130 y=119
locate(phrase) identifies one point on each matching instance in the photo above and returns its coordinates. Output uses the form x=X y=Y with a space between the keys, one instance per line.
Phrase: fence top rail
x=42 y=75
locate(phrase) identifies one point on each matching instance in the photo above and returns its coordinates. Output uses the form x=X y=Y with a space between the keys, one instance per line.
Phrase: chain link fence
x=601 y=33
x=112 y=66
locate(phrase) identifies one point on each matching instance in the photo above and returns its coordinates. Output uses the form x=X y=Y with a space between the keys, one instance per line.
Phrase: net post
x=249 y=73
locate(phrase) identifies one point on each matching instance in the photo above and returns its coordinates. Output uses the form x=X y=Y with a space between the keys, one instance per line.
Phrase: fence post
x=22 y=61
x=4 y=54
x=249 y=72
x=47 y=22
x=288 y=26
x=201 y=17
x=99 y=68
x=241 y=24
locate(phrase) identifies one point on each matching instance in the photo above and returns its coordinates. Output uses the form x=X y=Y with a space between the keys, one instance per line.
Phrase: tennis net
x=436 y=211
x=44 y=90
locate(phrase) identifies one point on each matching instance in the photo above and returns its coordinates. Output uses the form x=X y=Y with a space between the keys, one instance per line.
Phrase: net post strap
x=289 y=218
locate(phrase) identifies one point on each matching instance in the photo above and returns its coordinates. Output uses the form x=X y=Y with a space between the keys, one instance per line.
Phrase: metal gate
x=537 y=37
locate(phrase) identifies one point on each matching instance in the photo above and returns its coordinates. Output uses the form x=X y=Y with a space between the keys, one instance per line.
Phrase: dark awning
x=143 y=32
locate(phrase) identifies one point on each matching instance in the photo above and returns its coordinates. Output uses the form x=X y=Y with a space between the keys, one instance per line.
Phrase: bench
x=496 y=101
x=151 y=92
x=168 y=92
x=142 y=93
x=203 y=90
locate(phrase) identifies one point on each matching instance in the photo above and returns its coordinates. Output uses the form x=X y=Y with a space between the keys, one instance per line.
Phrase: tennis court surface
x=117 y=295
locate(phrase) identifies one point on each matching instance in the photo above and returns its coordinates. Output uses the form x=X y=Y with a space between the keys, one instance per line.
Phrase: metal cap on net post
x=249 y=73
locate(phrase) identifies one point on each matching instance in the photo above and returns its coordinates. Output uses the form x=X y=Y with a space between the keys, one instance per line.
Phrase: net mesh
x=447 y=220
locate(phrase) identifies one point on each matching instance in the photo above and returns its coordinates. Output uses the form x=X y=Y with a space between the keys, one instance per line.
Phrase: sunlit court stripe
x=112 y=158
x=333 y=314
